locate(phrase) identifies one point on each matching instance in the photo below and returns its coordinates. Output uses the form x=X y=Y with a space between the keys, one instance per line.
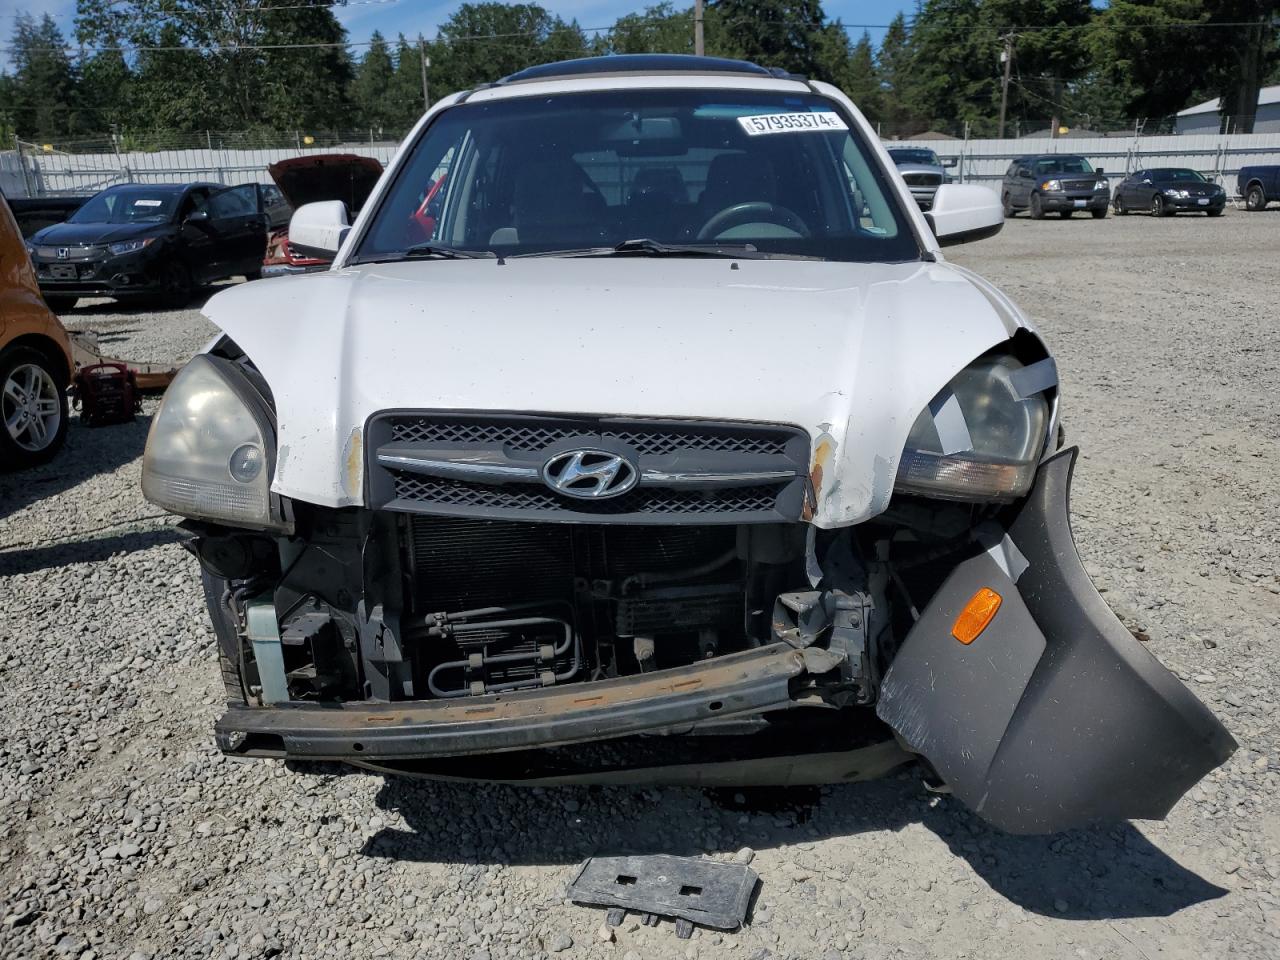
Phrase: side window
x=1024 y=172
x=1013 y=169
x=196 y=200
x=239 y=201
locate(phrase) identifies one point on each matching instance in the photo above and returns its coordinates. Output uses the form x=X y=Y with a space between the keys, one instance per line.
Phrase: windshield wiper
x=446 y=253
x=646 y=247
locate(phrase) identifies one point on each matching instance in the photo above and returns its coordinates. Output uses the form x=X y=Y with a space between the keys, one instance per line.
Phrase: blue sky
x=362 y=17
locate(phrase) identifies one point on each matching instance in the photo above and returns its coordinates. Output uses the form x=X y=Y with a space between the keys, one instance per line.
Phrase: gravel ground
x=124 y=834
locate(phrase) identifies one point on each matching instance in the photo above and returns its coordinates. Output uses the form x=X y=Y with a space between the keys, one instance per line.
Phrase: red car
x=336 y=176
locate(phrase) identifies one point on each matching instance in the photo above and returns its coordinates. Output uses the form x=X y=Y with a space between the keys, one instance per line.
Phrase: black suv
x=1054 y=183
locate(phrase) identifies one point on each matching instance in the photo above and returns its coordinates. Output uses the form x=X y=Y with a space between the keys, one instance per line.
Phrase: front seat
x=734 y=178
x=553 y=202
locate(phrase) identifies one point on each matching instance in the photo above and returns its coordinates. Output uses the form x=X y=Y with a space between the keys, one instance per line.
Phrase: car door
x=1022 y=196
x=198 y=246
x=240 y=230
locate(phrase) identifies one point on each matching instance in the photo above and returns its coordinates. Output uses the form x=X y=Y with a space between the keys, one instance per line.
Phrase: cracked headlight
x=211 y=448
x=981 y=437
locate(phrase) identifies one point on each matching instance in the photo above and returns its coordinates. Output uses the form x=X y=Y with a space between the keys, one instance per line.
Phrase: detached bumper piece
x=1053 y=716
x=687 y=889
x=752 y=682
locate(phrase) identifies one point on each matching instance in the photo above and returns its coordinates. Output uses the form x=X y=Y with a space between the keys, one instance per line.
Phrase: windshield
x=1175 y=174
x=127 y=206
x=584 y=172
x=1063 y=165
x=915 y=156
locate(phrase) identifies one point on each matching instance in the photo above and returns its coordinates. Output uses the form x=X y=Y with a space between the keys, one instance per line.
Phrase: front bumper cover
x=1058 y=202
x=1055 y=716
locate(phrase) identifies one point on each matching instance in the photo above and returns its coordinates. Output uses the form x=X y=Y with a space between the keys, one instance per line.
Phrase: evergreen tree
x=45 y=83
x=374 y=87
x=774 y=33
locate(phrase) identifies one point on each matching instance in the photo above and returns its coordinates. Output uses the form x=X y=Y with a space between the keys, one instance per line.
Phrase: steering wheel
x=753 y=211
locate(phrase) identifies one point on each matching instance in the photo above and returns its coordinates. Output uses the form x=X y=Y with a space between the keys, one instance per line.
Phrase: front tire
x=1100 y=214
x=1007 y=206
x=1254 y=198
x=1037 y=209
x=1214 y=213
x=175 y=285
x=33 y=409
x=1120 y=208
x=1158 y=208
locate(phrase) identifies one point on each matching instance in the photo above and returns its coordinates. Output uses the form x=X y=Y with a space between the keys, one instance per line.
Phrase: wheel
x=253 y=275
x=1255 y=199
x=1214 y=213
x=59 y=304
x=216 y=595
x=1158 y=209
x=1007 y=206
x=33 y=408
x=1037 y=211
x=1120 y=208
x=1100 y=213
x=1065 y=214
x=175 y=285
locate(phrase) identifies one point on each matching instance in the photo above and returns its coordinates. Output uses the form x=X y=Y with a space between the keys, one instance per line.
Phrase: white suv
x=640 y=412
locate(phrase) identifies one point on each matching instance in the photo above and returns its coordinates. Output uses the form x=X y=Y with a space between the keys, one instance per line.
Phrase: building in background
x=1205 y=118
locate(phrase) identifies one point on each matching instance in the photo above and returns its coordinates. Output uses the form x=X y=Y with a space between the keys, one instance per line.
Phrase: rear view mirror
x=318 y=229
x=964 y=212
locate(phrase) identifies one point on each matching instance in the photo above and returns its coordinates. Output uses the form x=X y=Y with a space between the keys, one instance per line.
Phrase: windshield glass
x=132 y=205
x=915 y=155
x=1176 y=174
x=587 y=171
x=1063 y=165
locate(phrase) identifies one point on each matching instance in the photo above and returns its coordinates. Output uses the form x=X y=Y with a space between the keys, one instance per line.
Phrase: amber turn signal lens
x=975 y=616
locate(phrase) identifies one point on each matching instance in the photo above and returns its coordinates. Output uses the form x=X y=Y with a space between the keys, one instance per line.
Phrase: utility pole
x=1007 y=56
x=697 y=28
x=426 y=62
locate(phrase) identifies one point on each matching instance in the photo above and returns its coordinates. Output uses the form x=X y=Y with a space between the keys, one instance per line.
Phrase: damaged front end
x=548 y=599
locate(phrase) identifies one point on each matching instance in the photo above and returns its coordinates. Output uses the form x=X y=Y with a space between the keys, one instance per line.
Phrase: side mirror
x=950 y=161
x=964 y=212
x=318 y=229
x=1099 y=171
x=197 y=216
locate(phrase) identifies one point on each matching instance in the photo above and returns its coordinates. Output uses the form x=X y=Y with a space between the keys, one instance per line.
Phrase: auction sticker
x=791 y=123
x=147 y=203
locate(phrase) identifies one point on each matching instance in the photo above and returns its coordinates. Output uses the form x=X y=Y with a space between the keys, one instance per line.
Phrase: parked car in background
x=35 y=213
x=1054 y=183
x=1259 y=185
x=301 y=180
x=153 y=242
x=616 y=477
x=35 y=359
x=922 y=170
x=1164 y=191
x=274 y=205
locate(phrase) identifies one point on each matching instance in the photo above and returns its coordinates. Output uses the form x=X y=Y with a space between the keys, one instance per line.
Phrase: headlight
x=981 y=437
x=1102 y=185
x=1051 y=185
x=211 y=448
x=129 y=246
x=1177 y=193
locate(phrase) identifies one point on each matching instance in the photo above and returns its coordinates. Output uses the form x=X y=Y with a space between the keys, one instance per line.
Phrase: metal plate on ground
x=704 y=892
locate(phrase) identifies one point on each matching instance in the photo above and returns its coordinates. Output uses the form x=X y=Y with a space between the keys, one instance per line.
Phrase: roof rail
x=640 y=63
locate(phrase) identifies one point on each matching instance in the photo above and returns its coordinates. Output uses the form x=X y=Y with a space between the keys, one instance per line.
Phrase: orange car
x=35 y=359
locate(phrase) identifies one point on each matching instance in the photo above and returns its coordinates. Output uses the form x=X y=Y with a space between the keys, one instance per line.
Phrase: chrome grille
x=493 y=465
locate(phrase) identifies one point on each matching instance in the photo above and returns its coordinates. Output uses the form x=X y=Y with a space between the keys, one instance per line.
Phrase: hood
x=849 y=352
x=83 y=234
x=334 y=176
